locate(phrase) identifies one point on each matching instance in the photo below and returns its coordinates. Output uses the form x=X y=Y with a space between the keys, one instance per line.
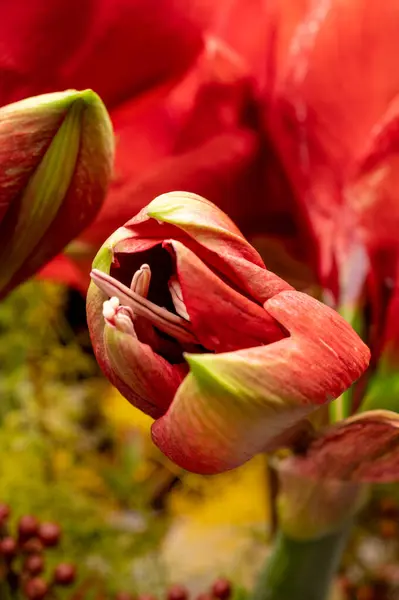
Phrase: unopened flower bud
x=56 y=155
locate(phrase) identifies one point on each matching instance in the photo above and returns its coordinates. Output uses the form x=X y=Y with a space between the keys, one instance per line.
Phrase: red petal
x=212 y=235
x=372 y=191
x=37 y=42
x=372 y=195
x=136 y=44
x=223 y=320
x=62 y=270
x=116 y=47
x=143 y=378
x=189 y=135
x=149 y=380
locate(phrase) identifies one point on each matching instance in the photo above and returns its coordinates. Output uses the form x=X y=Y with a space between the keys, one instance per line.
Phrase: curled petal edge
x=233 y=405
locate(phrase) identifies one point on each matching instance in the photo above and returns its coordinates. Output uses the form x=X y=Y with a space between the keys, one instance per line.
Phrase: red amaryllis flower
x=191 y=327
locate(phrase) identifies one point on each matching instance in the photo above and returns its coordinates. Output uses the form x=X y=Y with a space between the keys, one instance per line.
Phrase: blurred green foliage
x=60 y=459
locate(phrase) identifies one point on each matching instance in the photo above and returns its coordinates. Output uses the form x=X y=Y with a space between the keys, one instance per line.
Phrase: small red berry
x=221 y=589
x=8 y=547
x=27 y=527
x=49 y=534
x=177 y=592
x=34 y=564
x=64 y=574
x=36 y=589
x=124 y=596
x=32 y=546
x=4 y=512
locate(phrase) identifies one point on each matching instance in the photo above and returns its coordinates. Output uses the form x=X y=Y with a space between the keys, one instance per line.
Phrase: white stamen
x=109 y=308
x=114 y=301
x=118 y=316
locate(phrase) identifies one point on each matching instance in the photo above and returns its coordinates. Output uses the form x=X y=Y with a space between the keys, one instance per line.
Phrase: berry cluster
x=23 y=564
x=22 y=557
x=220 y=590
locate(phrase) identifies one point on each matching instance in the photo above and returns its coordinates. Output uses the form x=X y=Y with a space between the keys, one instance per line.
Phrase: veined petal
x=234 y=405
x=44 y=192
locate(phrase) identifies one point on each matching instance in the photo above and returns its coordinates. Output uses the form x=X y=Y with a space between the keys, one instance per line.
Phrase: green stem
x=341 y=407
x=301 y=569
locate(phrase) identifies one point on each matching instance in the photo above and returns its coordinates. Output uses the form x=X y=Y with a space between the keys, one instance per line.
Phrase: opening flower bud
x=190 y=326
